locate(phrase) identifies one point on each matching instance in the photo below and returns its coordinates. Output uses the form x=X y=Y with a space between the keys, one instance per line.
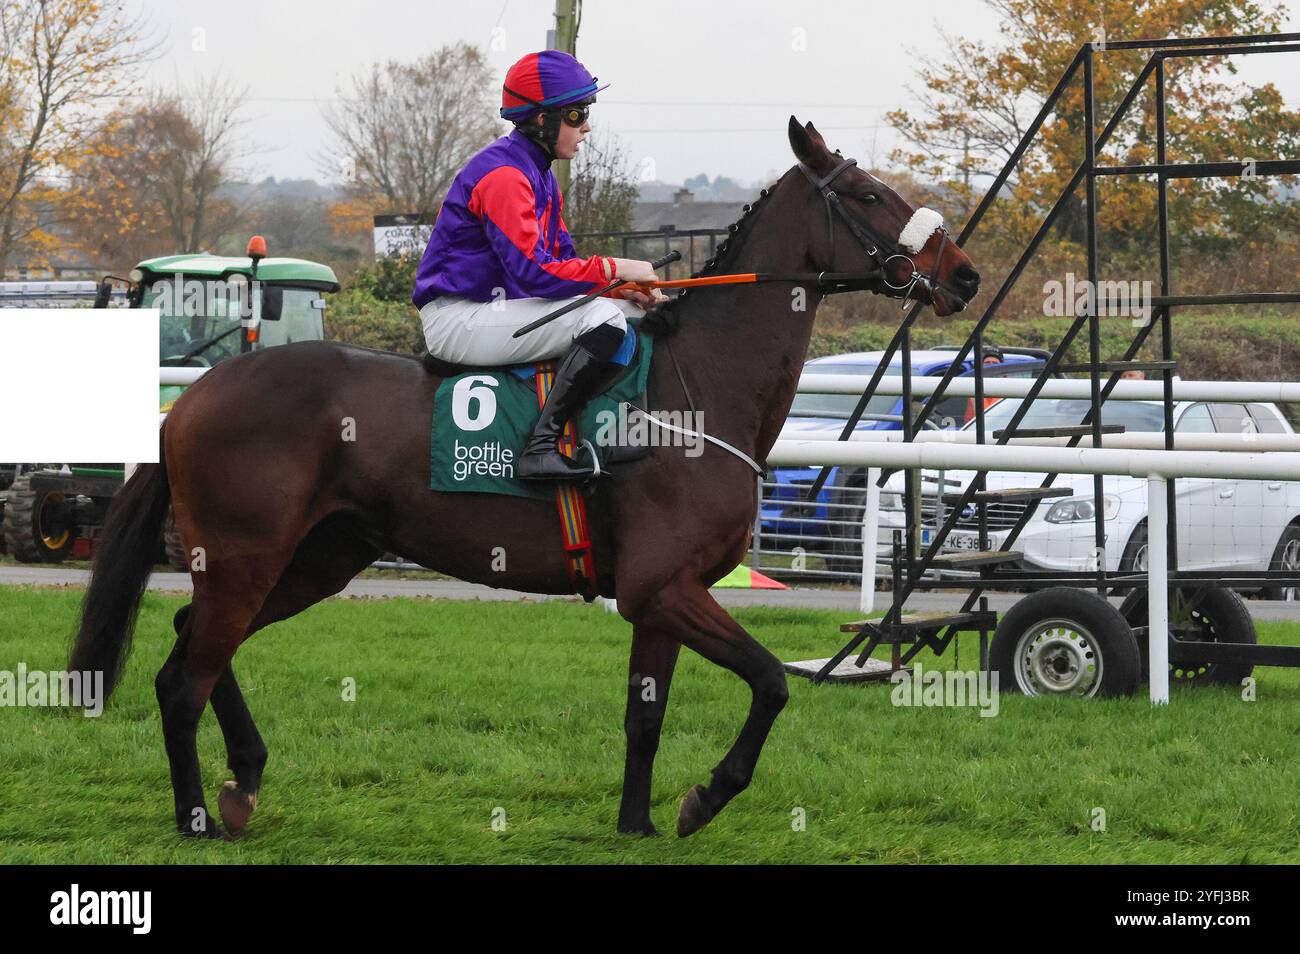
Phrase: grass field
x=463 y=708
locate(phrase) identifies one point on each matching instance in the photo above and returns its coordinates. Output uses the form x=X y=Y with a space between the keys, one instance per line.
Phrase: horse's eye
x=870 y=198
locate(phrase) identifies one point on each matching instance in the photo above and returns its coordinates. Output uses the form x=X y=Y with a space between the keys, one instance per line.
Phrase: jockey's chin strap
x=880 y=250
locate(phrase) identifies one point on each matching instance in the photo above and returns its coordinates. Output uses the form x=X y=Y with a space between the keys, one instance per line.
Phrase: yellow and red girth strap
x=572 y=507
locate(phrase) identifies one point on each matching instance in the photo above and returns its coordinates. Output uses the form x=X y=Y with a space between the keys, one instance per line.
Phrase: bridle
x=881 y=251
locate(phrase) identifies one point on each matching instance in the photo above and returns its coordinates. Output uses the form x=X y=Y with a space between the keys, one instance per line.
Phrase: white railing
x=1073 y=388
x=1247 y=441
x=180 y=377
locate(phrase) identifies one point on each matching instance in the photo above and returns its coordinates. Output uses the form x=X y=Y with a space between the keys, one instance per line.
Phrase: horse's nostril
x=967 y=273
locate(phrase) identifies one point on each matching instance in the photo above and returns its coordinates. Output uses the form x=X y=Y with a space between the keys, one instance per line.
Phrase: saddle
x=445 y=369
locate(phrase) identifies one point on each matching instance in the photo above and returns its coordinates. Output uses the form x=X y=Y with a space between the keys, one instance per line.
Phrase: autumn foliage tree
x=976 y=105
x=61 y=62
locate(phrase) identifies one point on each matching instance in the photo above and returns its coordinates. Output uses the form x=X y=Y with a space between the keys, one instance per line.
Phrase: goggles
x=576 y=114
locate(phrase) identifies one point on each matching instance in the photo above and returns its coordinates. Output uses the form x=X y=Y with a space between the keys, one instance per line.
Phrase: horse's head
x=872 y=229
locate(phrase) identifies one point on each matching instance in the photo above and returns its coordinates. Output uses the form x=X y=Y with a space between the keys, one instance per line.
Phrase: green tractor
x=211 y=309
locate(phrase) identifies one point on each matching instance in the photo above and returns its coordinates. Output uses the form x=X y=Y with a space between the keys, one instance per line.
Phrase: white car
x=1222 y=523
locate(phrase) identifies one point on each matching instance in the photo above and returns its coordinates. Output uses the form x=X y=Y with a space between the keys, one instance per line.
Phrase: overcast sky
x=697 y=86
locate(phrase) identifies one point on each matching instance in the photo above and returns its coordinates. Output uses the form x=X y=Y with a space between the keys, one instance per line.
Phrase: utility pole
x=568 y=15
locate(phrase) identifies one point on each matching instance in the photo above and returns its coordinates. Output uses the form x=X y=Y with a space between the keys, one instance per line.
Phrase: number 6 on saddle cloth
x=482 y=417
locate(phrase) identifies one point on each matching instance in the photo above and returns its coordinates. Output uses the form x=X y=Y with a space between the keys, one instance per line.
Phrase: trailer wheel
x=27 y=539
x=1065 y=641
x=172 y=545
x=1214 y=614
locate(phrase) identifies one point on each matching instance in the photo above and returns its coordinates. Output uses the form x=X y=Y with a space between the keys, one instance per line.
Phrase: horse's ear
x=816 y=136
x=811 y=152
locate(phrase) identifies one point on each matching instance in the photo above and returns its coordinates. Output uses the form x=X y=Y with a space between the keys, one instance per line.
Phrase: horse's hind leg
x=245 y=754
x=325 y=561
x=650 y=671
x=209 y=636
x=692 y=616
x=245 y=750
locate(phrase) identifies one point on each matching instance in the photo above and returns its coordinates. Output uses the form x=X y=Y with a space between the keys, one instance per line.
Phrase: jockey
x=500 y=257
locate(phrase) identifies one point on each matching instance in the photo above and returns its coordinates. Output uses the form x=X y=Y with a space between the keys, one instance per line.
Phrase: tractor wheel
x=26 y=540
x=173 y=547
x=1065 y=641
x=1214 y=615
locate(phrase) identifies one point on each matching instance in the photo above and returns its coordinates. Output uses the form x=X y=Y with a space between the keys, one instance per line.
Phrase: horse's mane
x=666 y=318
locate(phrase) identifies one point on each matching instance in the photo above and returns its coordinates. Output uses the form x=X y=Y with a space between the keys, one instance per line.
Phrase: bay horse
x=256 y=467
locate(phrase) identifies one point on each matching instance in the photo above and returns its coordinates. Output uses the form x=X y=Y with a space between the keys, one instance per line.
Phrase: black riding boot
x=578 y=378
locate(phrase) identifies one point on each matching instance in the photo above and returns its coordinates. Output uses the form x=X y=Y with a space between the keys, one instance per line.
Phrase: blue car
x=829 y=525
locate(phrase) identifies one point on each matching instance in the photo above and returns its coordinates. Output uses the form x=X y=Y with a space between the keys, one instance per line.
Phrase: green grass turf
x=466 y=707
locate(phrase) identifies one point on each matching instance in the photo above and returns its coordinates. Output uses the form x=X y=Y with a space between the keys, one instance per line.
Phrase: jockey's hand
x=632 y=270
x=641 y=296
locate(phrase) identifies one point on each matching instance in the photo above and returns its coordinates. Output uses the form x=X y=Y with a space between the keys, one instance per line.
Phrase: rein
x=838 y=281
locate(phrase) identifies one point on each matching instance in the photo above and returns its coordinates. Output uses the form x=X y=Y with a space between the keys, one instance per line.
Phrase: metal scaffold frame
x=913 y=562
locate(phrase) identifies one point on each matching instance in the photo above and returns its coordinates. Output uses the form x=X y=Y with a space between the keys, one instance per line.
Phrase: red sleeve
x=504 y=198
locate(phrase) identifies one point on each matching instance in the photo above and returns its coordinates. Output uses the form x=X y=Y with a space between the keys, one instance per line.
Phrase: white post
x=127 y=471
x=870 y=538
x=1158 y=589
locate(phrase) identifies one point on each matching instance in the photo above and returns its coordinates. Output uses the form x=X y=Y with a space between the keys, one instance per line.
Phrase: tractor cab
x=213 y=307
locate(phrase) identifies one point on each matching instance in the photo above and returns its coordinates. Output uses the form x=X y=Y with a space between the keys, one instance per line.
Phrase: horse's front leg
x=687 y=611
x=650 y=672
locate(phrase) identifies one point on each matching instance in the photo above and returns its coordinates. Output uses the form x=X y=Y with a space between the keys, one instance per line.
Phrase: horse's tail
x=124 y=559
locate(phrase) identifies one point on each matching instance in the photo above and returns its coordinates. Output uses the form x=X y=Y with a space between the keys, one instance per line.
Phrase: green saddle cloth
x=482 y=418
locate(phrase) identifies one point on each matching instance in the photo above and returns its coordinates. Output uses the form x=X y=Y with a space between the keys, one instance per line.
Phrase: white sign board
x=404 y=235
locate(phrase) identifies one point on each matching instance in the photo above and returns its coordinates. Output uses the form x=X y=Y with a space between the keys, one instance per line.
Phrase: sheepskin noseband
x=919 y=228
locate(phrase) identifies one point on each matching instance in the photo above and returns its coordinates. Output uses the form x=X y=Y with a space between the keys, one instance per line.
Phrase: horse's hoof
x=694 y=813
x=645 y=830
x=236 y=808
x=208 y=830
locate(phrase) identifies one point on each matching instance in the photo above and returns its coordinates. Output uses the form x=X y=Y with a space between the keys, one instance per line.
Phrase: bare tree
x=602 y=194
x=294 y=225
x=200 y=147
x=406 y=129
x=62 y=58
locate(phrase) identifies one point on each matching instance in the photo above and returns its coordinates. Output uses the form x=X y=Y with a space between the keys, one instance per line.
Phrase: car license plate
x=956 y=540
x=963 y=541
